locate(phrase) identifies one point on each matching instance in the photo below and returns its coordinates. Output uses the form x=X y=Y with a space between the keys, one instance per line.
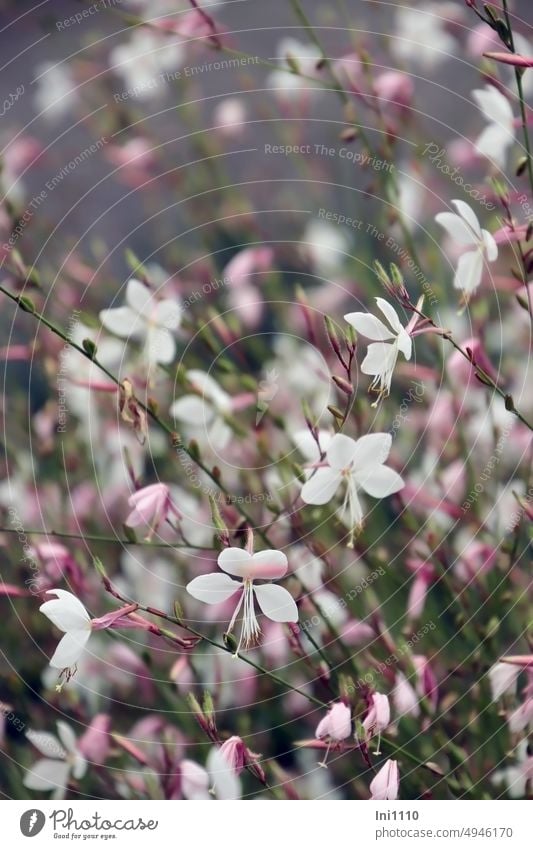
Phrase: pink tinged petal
x=390 y=314
x=276 y=602
x=121 y=321
x=340 y=721
x=386 y=783
x=47 y=775
x=377 y=357
x=491 y=248
x=467 y=214
x=236 y=561
x=457 y=229
x=139 y=298
x=66 y=612
x=167 y=314
x=194 y=781
x=341 y=451
x=502 y=677
x=46 y=743
x=369 y=326
x=268 y=565
x=161 y=346
x=380 y=481
x=321 y=487
x=382 y=711
x=469 y=271
x=371 y=451
x=69 y=649
x=67 y=736
x=213 y=588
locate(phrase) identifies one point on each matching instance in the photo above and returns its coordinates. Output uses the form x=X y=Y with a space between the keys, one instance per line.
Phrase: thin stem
x=99 y=538
x=518 y=76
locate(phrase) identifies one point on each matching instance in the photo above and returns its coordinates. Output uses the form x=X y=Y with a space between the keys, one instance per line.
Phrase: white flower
x=502 y=678
x=68 y=614
x=499 y=135
x=143 y=60
x=382 y=354
x=206 y=410
x=217 y=781
x=56 y=93
x=275 y=602
x=61 y=759
x=359 y=464
x=327 y=245
x=305 y=57
x=466 y=232
x=420 y=35
x=146 y=319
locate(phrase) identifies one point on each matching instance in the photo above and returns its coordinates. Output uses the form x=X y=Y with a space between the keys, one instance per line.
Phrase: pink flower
x=394 y=88
x=151 y=506
x=95 y=743
x=386 y=783
x=378 y=716
x=336 y=725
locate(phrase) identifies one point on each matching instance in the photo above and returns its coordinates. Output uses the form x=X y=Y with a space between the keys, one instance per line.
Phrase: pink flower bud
x=336 y=724
x=395 y=89
x=234 y=751
x=463 y=372
x=387 y=782
x=151 y=506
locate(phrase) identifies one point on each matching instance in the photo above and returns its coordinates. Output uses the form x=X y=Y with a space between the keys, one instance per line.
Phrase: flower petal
x=213 y=588
x=405 y=344
x=371 y=450
x=122 y=321
x=493 y=143
x=494 y=105
x=47 y=775
x=194 y=781
x=45 y=743
x=378 y=357
x=167 y=313
x=161 y=346
x=269 y=565
x=491 y=248
x=139 y=298
x=225 y=782
x=380 y=481
x=341 y=450
x=321 y=487
x=66 y=735
x=390 y=314
x=469 y=271
x=192 y=410
x=457 y=229
x=69 y=649
x=66 y=611
x=235 y=561
x=276 y=602
x=369 y=326
x=209 y=388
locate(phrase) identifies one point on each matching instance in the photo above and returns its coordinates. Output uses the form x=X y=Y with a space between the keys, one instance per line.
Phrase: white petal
x=161 y=345
x=380 y=482
x=167 y=314
x=494 y=105
x=405 y=344
x=468 y=272
x=369 y=326
x=219 y=434
x=69 y=649
x=467 y=214
x=66 y=611
x=493 y=143
x=390 y=314
x=235 y=561
x=306 y=443
x=47 y=775
x=192 y=410
x=321 y=487
x=276 y=602
x=79 y=767
x=213 y=588
x=269 y=565
x=341 y=451
x=226 y=784
x=194 y=781
x=66 y=735
x=209 y=388
x=372 y=450
x=491 y=248
x=122 y=321
x=457 y=229
x=139 y=298
x=45 y=743
x=378 y=356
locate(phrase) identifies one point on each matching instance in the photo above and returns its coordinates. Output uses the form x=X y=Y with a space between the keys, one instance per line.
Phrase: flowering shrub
x=266 y=484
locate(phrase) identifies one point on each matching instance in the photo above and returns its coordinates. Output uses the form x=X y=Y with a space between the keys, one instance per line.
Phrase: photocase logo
x=32 y=822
